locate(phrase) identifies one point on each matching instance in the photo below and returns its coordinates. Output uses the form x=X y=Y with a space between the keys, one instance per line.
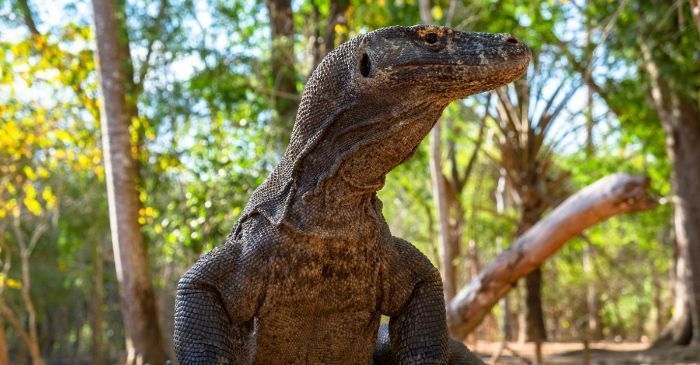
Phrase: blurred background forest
x=210 y=90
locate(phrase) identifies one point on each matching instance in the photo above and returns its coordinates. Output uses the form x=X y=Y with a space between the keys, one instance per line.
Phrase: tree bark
x=325 y=44
x=448 y=269
x=532 y=328
x=4 y=359
x=679 y=331
x=595 y=323
x=447 y=250
x=97 y=301
x=534 y=318
x=680 y=118
x=17 y=325
x=612 y=195
x=144 y=342
x=336 y=16
x=284 y=77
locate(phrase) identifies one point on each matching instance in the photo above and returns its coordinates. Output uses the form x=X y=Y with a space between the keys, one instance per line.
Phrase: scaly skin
x=311 y=265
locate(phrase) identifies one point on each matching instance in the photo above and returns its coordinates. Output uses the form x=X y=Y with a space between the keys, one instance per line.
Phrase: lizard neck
x=338 y=180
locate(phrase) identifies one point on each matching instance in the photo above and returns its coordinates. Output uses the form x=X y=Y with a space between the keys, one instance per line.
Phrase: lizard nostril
x=511 y=39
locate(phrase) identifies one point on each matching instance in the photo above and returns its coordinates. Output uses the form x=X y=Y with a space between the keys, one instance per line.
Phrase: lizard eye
x=431 y=38
x=365 y=65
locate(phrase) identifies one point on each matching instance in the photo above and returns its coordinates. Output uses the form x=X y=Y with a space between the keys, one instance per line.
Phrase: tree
x=659 y=47
x=144 y=340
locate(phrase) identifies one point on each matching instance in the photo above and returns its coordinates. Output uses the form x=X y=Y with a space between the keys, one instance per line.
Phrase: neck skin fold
x=345 y=170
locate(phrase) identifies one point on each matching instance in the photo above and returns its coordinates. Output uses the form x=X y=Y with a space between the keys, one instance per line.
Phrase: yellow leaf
x=49 y=198
x=62 y=135
x=14 y=284
x=30 y=200
x=437 y=12
x=29 y=173
x=83 y=162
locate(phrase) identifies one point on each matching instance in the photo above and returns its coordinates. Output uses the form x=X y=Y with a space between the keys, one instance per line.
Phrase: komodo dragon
x=311 y=265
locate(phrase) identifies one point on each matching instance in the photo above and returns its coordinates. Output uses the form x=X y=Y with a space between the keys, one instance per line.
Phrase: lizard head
x=438 y=63
x=379 y=95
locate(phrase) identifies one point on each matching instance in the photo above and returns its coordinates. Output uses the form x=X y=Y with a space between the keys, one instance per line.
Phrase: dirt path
x=601 y=353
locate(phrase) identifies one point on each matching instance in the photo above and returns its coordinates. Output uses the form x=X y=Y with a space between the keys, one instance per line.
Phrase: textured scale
x=311 y=265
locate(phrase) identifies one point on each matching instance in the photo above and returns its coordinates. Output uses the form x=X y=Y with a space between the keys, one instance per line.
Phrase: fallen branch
x=607 y=197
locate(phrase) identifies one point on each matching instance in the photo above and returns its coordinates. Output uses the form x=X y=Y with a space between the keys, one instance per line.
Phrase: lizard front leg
x=214 y=310
x=417 y=332
x=413 y=299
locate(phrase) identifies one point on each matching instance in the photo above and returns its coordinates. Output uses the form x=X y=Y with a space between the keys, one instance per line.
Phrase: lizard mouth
x=465 y=74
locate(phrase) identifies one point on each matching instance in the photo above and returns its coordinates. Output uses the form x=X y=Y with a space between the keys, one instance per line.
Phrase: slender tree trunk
x=595 y=328
x=144 y=342
x=96 y=303
x=336 y=16
x=284 y=77
x=34 y=349
x=4 y=359
x=532 y=324
x=507 y=326
x=534 y=329
x=447 y=253
x=325 y=44
x=612 y=195
x=29 y=336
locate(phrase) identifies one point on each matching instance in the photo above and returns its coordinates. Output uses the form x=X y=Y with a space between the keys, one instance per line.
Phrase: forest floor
x=601 y=353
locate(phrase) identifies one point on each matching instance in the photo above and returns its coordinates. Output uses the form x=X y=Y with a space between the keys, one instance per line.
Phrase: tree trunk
x=680 y=117
x=4 y=359
x=534 y=318
x=595 y=328
x=447 y=252
x=284 y=77
x=325 y=44
x=532 y=328
x=144 y=342
x=448 y=267
x=679 y=330
x=336 y=16
x=605 y=198
x=96 y=303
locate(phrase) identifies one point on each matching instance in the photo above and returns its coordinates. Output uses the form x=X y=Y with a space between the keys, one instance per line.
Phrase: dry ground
x=601 y=353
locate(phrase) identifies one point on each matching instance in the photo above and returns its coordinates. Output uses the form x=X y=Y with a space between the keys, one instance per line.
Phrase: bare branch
x=146 y=63
x=28 y=17
x=610 y=196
